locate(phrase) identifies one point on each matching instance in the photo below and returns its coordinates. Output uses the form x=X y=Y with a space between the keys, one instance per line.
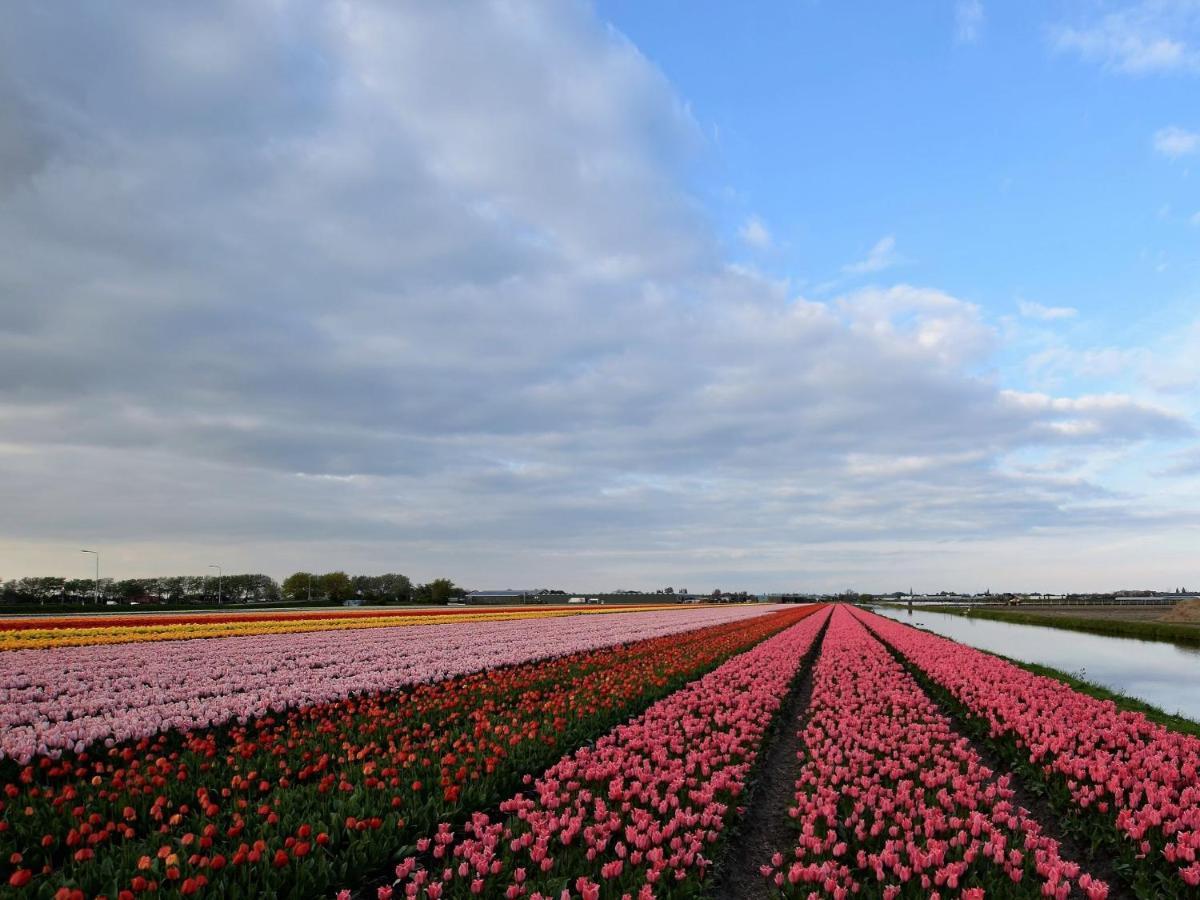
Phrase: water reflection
x=1165 y=675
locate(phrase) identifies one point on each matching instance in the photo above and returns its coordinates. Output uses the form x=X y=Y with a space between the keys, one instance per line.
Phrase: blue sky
x=790 y=296
x=1004 y=165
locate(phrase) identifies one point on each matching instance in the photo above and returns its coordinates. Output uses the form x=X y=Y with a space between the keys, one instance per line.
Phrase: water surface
x=1166 y=675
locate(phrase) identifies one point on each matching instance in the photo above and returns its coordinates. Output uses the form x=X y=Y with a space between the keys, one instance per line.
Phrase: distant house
x=483 y=598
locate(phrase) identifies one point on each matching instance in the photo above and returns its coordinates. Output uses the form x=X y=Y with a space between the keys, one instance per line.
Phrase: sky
x=791 y=296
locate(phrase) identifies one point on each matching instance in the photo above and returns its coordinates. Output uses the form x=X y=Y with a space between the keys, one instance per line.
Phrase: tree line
x=172 y=590
x=370 y=590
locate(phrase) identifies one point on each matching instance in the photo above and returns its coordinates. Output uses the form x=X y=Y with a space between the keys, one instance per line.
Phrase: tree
x=439 y=591
x=336 y=587
x=132 y=590
x=295 y=587
x=34 y=590
x=78 y=590
x=389 y=588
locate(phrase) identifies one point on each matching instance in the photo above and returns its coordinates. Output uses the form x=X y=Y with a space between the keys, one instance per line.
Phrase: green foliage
x=164 y=590
x=295 y=587
x=383 y=589
x=189 y=590
x=439 y=592
x=335 y=587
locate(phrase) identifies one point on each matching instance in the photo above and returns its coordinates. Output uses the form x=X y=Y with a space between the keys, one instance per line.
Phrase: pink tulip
x=1112 y=761
x=876 y=750
x=660 y=784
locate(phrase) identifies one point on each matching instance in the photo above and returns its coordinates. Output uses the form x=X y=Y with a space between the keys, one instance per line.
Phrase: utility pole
x=97 y=594
x=220 y=573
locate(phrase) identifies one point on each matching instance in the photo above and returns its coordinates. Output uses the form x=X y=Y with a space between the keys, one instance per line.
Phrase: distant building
x=506 y=596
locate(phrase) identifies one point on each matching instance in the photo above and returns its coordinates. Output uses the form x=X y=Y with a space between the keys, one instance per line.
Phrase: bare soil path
x=766 y=827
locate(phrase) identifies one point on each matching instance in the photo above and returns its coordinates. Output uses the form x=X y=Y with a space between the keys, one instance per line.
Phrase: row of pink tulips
x=639 y=813
x=891 y=801
x=1143 y=777
x=60 y=699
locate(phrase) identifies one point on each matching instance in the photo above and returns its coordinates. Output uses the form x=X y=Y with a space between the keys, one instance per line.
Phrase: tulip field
x=556 y=752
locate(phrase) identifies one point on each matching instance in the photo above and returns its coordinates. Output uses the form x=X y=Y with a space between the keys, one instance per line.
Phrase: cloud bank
x=420 y=287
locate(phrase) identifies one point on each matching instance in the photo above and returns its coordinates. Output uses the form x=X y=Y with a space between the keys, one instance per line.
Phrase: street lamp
x=97 y=552
x=220 y=573
x=310 y=588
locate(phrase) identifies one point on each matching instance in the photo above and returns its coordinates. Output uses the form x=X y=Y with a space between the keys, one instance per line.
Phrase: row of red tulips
x=891 y=802
x=639 y=814
x=292 y=804
x=1115 y=774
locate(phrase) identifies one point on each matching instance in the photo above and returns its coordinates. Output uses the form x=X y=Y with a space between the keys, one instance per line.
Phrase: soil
x=1186 y=612
x=766 y=827
x=1111 y=613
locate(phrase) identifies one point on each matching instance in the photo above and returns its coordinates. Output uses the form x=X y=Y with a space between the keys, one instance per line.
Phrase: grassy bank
x=1143 y=631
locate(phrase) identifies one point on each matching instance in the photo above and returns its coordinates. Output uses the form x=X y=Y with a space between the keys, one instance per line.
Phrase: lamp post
x=310 y=588
x=97 y=553
x=220 y=573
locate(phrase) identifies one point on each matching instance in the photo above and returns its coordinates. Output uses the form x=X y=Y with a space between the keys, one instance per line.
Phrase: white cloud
x=1126 y=52
x=755 y=233
x=1151 y=36
x=881 y=256
x=1031 y=310
x=920 y=322
x=1174 y=142
x=1140 y=39
x=1168 y=366
x=1100 y=417
x=968 y=20
x=1185 y=463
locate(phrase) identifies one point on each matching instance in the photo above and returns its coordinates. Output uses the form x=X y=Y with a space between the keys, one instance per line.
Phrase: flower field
x=577 y=756
x=890 y=796
x=1115 y=773
x=642 y=807
x=66 y=698
x=79 y=631
x=289 y=800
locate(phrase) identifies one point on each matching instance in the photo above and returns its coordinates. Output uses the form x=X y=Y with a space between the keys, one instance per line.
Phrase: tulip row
x=290 y=804
x=90 y=633
x=891 y=802
x=68 y=698
x=1107 y=767
x=249 y=614
x=639 y=813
